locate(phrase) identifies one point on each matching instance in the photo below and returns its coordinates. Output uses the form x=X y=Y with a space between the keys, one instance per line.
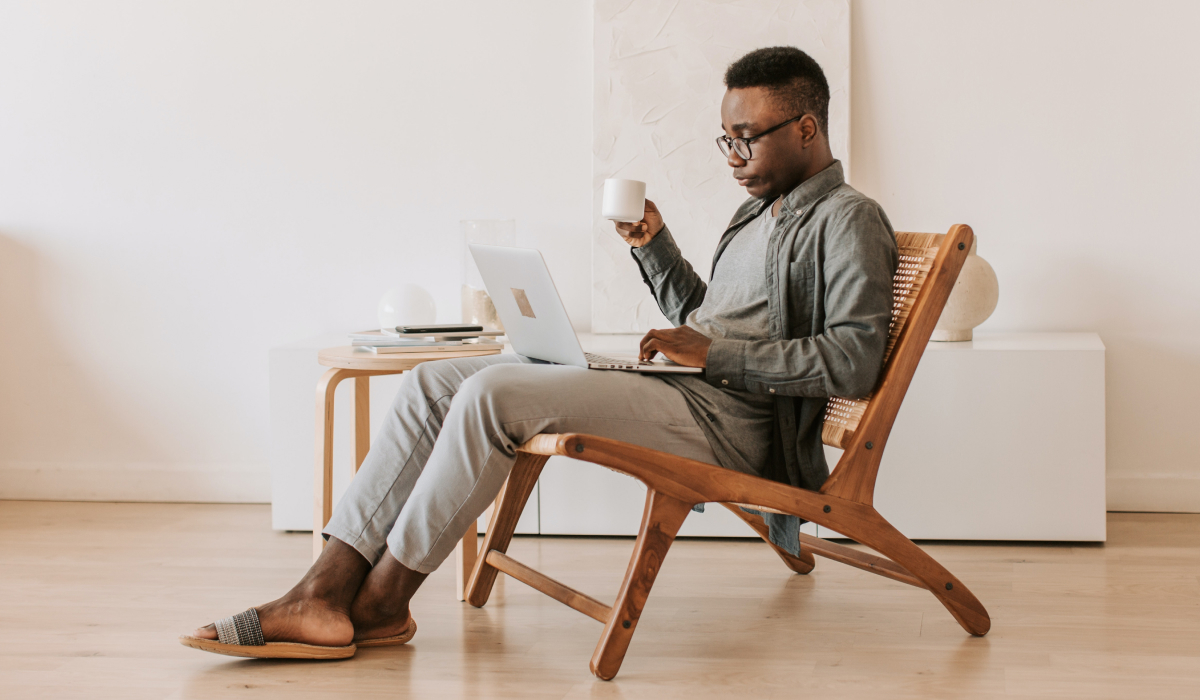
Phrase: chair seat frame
x=675 y=484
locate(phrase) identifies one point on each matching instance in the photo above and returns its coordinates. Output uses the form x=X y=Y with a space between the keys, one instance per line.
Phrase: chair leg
x=521 y=480
x=661 y=521
x=801 y=564
x=880 y=535
x=465 y=553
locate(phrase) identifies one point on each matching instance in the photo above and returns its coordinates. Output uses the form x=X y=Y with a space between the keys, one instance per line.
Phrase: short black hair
x=792 y=76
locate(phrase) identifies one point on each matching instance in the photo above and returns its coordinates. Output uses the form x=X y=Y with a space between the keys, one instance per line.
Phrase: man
x=797 y=310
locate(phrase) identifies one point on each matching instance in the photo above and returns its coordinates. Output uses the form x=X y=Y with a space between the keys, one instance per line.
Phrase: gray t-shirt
x=735 y=307
x=735 y=304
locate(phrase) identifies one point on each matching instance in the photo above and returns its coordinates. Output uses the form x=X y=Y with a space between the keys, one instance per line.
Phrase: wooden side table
x=345 y=362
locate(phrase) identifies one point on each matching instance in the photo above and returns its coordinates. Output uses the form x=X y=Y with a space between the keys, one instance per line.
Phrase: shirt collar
x=799 y=199
x=812 y=189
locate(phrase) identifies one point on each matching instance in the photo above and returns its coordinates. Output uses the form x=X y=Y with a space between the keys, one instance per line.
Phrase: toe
x=206 y=632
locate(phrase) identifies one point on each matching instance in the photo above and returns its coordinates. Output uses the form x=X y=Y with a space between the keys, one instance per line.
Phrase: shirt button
x=724 y=381
x=771 y=390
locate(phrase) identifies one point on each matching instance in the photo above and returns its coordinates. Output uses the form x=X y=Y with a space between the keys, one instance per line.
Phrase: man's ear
x=808 y=130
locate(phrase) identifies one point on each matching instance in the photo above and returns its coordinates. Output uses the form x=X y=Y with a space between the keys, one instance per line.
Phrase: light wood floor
x=93 y=596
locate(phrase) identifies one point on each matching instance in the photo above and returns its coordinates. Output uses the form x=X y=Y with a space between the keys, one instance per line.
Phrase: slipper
x=241 y=635
x=394 y=640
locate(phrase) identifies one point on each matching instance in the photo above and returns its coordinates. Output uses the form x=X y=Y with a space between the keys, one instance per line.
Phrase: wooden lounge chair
x=929 y=265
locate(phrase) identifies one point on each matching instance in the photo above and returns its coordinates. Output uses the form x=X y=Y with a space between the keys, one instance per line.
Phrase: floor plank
x=93 y=596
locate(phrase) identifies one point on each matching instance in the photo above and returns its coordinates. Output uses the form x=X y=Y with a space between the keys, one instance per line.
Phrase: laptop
x=534 y=317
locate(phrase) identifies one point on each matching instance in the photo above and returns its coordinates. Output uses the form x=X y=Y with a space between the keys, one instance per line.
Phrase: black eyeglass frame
x=725 y=144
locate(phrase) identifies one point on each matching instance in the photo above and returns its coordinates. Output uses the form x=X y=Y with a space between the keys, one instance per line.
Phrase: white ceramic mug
x=624 y=200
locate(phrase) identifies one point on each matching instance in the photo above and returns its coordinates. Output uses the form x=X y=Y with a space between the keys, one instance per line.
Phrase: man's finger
x=649 y=350
x=651 y=335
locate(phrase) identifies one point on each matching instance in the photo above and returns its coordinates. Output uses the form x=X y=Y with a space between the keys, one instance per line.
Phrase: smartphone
x=440 y=328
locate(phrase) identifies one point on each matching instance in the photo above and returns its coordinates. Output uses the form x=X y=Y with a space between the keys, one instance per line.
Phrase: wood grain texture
x=697 y=482
x=465 y=553
x=562 y=593
x=346 y=357
x=362 y=420
x=661 y=520
x=503 y=523
x=323 y=468
x=93 y=596
x=858 y=559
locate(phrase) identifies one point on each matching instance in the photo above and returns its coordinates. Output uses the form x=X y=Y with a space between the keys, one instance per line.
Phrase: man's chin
x=757 y=189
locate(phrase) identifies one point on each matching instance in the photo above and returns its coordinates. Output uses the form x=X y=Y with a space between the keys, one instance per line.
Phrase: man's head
x=765 y=88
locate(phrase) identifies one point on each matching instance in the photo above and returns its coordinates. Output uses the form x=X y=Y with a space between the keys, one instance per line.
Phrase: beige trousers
x=449 y=440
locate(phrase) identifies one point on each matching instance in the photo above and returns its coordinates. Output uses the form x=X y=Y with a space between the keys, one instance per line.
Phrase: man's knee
x=426 y=379
x=489 y=380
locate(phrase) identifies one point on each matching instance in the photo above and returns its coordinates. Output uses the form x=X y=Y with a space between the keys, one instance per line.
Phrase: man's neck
x=815 y=166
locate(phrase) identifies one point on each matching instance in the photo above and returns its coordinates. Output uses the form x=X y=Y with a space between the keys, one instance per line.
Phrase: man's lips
x=743 y=181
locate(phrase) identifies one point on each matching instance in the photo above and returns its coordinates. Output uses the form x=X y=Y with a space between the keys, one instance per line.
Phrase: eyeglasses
x=742 y=146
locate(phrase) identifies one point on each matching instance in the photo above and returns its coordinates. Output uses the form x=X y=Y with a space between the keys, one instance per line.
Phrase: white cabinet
x=1001 y=438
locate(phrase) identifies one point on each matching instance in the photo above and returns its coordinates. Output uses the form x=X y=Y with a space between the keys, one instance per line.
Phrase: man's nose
x=735 y=160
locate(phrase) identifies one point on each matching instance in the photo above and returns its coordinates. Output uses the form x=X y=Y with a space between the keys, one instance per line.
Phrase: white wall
x=183 y=186
x=1066 y=134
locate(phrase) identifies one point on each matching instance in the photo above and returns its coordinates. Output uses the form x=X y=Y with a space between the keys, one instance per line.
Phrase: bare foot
x=316 y=610
x=381 y=607
x=306 y=621
x=381 y=629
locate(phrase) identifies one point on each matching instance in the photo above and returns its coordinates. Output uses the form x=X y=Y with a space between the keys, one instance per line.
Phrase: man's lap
x=530 y=398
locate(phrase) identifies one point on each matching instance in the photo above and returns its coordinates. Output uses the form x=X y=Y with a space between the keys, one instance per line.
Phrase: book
x=413 y=342
x=381 y=336
x=448 y=347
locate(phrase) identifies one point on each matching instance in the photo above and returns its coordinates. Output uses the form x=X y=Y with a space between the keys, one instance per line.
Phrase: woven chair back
x=917 y=252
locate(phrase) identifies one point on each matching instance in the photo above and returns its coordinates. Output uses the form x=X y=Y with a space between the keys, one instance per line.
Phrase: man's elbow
x=854 y=386
x=862 y=375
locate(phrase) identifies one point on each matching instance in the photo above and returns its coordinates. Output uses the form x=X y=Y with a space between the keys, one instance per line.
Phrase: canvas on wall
x=658 y=85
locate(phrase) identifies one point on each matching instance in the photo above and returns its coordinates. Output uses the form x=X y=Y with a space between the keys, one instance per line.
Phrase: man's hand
x=640 y=233
x=682 y=345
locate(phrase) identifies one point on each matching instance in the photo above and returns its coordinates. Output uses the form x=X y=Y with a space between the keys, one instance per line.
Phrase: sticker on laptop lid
x=522 y=302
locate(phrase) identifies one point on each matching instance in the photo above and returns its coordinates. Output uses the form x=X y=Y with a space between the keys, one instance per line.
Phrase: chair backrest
x=917 y=253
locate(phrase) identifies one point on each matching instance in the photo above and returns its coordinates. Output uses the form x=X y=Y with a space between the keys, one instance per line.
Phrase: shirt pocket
x=801 y=298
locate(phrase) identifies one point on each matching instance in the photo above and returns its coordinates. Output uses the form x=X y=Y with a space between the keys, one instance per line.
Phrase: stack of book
x=448 y=342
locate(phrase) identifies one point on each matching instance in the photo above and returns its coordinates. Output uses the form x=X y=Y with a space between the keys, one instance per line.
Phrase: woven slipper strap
x=242 y=629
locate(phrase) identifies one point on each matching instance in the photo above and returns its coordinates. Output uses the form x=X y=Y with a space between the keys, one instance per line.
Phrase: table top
x=347 y=357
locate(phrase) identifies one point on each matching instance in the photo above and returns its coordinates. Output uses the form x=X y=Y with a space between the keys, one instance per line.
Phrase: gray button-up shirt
x=829 y=267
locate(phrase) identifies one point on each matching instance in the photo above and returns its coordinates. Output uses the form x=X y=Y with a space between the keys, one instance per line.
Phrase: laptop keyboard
x=602 y=360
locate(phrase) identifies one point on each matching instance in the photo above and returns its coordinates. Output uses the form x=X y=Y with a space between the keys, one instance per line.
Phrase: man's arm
x=675 y=285
x=845 y=359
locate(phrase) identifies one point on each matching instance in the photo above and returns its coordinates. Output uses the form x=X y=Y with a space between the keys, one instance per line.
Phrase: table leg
x=323 y=474
x=362 y=420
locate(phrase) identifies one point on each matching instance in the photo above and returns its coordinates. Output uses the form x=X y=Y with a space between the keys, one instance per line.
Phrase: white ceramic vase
x=971 y=301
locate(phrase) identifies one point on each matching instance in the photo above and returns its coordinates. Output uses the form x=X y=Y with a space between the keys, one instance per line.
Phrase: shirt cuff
x=726 y=364
x=659 y=255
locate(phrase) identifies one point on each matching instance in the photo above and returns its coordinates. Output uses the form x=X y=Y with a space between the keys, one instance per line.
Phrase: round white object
x=406 y=305
x=972 y=300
